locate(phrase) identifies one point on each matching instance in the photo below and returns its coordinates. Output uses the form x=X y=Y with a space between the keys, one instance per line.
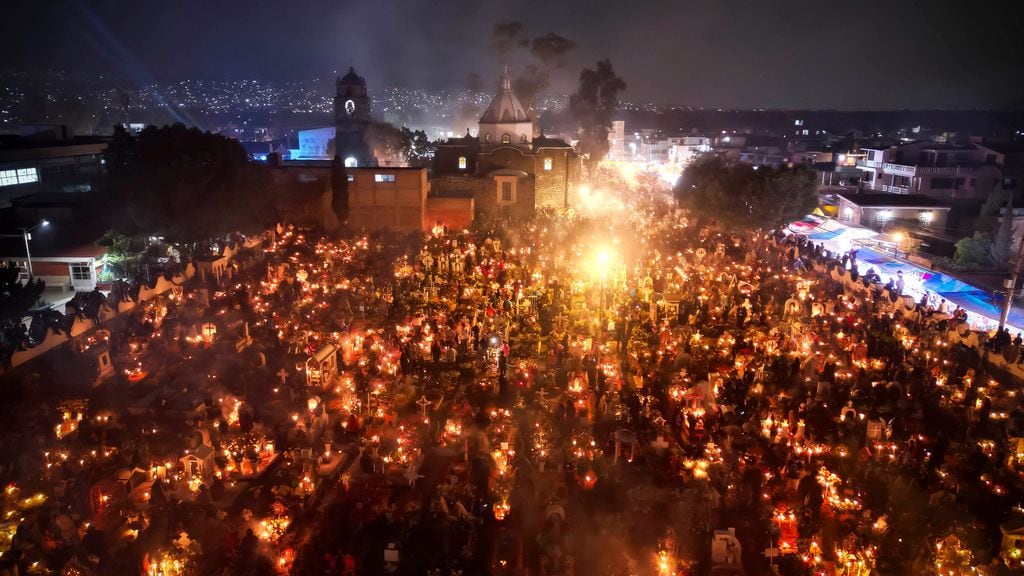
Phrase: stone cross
x=423 y=403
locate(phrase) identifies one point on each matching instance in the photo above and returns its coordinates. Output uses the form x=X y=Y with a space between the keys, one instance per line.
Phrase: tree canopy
x=742 y=196
x=16 y=299
x=187 y=184
x=592 y=107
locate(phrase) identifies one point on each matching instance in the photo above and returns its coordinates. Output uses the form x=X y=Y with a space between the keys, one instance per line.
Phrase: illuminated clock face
x=350 y=107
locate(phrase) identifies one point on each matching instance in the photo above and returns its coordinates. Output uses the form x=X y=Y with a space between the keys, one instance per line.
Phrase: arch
x=506 y=138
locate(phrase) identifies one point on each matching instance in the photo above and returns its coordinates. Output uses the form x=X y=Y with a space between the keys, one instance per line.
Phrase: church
x=507 y=169
x=352 y=124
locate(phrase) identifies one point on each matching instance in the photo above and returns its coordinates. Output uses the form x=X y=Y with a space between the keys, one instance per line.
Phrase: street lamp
x=26 y=234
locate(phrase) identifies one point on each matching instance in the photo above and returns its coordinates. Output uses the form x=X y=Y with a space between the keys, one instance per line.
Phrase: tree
x=187 y=185
x=417 y=148
x=16 y=299
x=592 y=107
x=124 y=254
x=746 y=197
x=1001 y=244
x=339 y=189
x=990 y=209
x=973 y=252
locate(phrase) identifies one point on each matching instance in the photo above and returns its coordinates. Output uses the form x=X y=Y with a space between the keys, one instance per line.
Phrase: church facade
x=506 y=169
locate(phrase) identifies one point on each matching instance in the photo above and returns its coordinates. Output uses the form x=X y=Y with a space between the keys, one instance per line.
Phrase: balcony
x=911 y=170
x=869 y=164
x=895 y=189
x=899 y=169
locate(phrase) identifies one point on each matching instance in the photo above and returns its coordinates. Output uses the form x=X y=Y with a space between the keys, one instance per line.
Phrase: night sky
x=862 y=54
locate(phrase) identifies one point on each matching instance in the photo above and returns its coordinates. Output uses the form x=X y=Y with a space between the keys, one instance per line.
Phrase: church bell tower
x=351 y=119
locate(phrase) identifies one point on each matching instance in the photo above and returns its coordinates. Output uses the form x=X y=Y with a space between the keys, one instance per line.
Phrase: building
x=394 y=198
x=950 y=172
x=505 y=169
x=882 y=211
x=49 y=161
x=348 y=137
x=351 y=119
x=379 y=197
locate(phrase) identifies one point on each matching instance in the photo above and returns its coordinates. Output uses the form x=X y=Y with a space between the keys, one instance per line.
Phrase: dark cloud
x=712 y=53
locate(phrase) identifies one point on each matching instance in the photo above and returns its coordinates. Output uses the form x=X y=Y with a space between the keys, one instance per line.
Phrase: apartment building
x=951 y=172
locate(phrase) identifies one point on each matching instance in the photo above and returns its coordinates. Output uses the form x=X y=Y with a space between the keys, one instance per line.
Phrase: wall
x=398 y=205
x=455 y=213
x=553 y=187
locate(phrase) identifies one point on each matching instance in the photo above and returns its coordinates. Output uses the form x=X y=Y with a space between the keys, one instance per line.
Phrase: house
x=949 y=172
x=881 y=211
x=65 y=271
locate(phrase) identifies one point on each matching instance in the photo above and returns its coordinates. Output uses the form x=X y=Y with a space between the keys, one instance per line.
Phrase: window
x=350 y=162
x=883 y=215
x=383 y=177
x=926 y=216
x=548 y=163
x=903 y=181
x=487 y=137
x=522 y=139
x=506 y=139
x=462 y=162
x=507 y=195
x=351 y=177
x=19 y=176
x=80 y=271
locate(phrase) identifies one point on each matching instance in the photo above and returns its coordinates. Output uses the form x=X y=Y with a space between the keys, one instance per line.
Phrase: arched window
x=522 y=139
x=350 y=162
x=487 y=137
x=505 y=138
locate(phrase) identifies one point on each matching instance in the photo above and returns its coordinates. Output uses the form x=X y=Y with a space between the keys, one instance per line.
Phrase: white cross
x=423 y=403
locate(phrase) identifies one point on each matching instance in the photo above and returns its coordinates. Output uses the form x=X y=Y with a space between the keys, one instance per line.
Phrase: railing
x=896 y=189
x=899 y=169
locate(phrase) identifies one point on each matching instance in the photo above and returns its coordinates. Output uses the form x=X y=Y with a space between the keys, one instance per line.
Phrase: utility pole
x=1011 y=285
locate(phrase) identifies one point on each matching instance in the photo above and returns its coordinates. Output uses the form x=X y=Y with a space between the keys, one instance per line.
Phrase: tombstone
x=99 y=356
x=245 y=339
x=322 y=367
x=876 y=429
x=725 y=548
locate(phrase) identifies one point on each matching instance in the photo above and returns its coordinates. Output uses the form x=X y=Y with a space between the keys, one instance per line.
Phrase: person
x=900 y=283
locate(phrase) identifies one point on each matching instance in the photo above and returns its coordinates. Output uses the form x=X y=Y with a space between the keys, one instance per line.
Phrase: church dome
x=505 y=107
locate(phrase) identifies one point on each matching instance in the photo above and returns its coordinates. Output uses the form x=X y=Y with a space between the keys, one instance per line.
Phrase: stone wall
x=455 y=213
